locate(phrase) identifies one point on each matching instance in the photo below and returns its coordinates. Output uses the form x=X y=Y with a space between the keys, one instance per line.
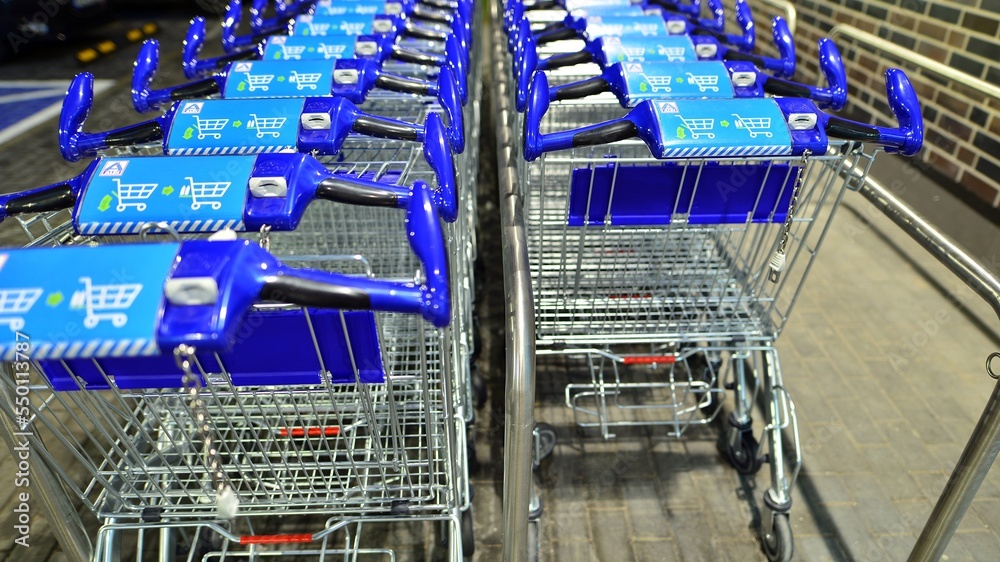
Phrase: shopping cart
x=105 y=302
x=694 y=249
x=672 y=53
x=305 y=81
x=267 y=125
x=259 y=81
x=133 y=194
x=704 y=83
x=292 y=52
x=754 y=126
x=210 y=127
x=658 y=83
x=634 y=53
x=199 y=192
x=331 y=51
x=14 y=303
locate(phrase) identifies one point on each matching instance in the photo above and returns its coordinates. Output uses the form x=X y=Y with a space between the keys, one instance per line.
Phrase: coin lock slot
x=706 y=50
x=393 y=8
x=801 y=121
x=269 y=187
x=345 y=76
x=382 y=26
x=676 y=27
x=744 y=79
x=366 y=48
x=191 y=291
x=316 y=121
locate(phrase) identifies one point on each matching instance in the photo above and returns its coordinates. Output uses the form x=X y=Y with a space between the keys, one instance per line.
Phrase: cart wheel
x=468 y=534
x=479 y=390
x=699 y=369
x=545 y=442
x=778 y=544
x=744 y=457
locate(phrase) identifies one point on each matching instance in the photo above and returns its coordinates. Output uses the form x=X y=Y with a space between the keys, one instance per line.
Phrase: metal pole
x=984 y=444
x=519 y=402
x=791 y=16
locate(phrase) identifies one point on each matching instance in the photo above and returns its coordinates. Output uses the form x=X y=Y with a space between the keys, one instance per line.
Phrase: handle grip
x=419 y=32
x=257 y=8
x=451 y=103
x=718 y=20
x=785 y=43
x=230 y=22
x=907 y=138
x=55 y=197
x=581 y=89
x=557 y=35
x=454 y=58
x=145 y=99
x=75 y=144
x=747 y=39
x=567 y=59
x=355 y=191
x=402 y=84
x=386 y=128
x=193 y=43
x=834 y=96
x=437 y=153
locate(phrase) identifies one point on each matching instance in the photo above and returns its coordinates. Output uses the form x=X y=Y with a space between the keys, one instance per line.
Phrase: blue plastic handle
x=747 y=39
x=718 y=20
x=785 y=43
x=145 y=99
x=257 y=9
x=908 y=138
x=230 y=22
x=832 y=65
x=193 y=43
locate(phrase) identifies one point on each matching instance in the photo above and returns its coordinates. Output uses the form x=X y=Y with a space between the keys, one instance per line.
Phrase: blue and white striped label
x=278 y=79
x=644 y=26
x=298 y=47
x=672 y=80
x=631 y=48
x=208 y=127
x=104 y=302
x=190 y=193
x=713 y=128
x=340 y=7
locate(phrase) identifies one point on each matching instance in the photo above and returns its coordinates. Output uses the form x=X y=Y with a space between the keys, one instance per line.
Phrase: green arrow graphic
x=281 y=79
x=681 y=133
x=241 y=86
x=54 y=299
x=188 y=133
x=311 y=49
x=237 y=124
x=105 y=204
x=643 y=87
x=168 y=190
x=680 y=80
x=724 y=123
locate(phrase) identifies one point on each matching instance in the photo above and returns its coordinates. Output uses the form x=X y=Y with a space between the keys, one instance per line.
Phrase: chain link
x=778 y=259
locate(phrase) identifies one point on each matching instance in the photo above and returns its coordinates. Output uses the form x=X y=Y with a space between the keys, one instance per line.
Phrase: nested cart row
x=263 y=303
x=675 y=189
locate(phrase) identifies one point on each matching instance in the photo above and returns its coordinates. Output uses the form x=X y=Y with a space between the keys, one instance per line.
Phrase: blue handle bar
x=642 y=122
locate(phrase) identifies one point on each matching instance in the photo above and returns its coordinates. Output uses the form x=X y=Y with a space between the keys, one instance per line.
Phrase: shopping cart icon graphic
x=317 y=28
x=133 y=194
x=704 y=82
x=266 y=125
x=699 y=127
x=352 y=28
x=634 y=53
x=292 y=52
x=14 y=303
x=259 y=81
x=754 y=125
x=672 y=53
x=658 y=83
x=205 y=193
x=304 y=81
x=105 y=302
x=210 y=127
x=332 y=51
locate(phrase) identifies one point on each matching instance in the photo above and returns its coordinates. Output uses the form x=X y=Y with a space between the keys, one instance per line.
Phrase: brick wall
x=962 y=128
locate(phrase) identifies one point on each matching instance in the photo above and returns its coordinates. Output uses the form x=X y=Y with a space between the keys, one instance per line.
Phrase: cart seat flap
x=190 y=193
x=636 y=48
x=284 y=79
x=273 y=348
x=709 y=193
x=235 y=126
x=298 y=47
x=673 y=80
x=729 y=128
x=82 y=301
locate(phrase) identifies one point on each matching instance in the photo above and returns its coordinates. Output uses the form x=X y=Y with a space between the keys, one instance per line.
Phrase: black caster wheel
x=468 y=534
x=743 y=456
x=778 y=543
x=544 y=442
x=479 y=391
x=701 y=370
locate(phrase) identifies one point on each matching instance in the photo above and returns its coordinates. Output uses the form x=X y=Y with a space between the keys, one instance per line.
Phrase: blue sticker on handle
x=104 y=302
x=298 y=47
x=632 y=48
x=340 y=8
x=348 y=24
x=713 y=128
x=645 y=26
x=279 y=79
x=671 y=80
x=235 y=126
x=190 y=193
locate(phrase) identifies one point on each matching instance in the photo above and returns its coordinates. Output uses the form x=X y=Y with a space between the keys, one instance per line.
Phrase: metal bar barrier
x=519 y=401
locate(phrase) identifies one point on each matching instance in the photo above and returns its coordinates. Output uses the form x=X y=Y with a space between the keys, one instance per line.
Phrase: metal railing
x=786 y=7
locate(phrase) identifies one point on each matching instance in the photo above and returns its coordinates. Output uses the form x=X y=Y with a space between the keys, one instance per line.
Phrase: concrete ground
x=883 y=354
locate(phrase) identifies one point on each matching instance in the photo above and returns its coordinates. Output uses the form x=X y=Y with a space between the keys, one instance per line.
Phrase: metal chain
x=191 y=384
x=778 y=259
x=265 y=237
